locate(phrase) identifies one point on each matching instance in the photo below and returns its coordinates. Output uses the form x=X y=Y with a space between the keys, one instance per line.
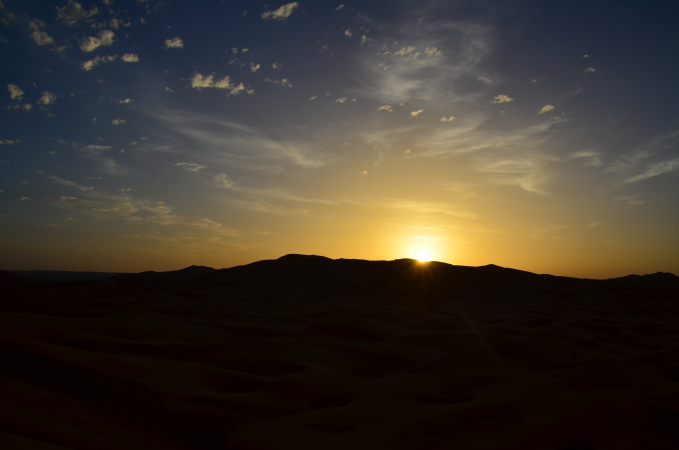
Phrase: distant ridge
x=311 y=275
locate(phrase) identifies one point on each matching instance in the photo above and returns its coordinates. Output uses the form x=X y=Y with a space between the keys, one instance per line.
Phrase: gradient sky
x=152 y=135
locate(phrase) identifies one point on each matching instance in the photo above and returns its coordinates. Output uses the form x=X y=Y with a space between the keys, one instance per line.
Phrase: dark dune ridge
x=308 y=352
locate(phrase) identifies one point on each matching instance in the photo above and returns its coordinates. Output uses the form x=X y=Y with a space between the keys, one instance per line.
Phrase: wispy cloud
x=282 y=12
x=589 y=70
x=416 y=113
x=449 y=119
x=224 y=142
x=111 y=205
x=190 y=167
x=545 y=109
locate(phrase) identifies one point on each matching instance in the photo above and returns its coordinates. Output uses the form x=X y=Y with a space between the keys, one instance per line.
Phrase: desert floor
x=204 y=361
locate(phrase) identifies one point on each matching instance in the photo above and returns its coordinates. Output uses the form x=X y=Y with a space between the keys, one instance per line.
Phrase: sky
x=154 y=135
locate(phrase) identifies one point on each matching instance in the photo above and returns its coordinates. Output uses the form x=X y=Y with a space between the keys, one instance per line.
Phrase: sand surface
x=306 y=352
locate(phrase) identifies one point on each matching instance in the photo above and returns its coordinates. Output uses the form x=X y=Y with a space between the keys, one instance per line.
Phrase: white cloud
x=545 y=109
x=130 y=58
x=38 y=32
x=313 y=97
x=191 y=167
x=92 y=63
x=15 y=93
x=73 y=13
x=281 y=13
x=502 y=98
x=9 y=141
x=339 y=7
x=254 y=67
x=386 y=108
x=90 y=43
x=174 y=43
x=341 y=100
x=47 y=98
x=364 y=39
x=347 y=32
x=127 y=100
x=589 y=70
x=449 y=119
x=198 y=81
x=118 y=122
x=416 y=113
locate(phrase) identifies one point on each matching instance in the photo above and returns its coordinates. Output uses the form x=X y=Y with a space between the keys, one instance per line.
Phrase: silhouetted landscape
x=309 y=352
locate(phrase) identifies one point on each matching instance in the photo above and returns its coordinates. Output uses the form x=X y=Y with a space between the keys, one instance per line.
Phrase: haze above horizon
x=145 y=135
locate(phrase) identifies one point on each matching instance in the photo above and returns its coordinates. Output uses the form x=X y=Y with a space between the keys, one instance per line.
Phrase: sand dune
x=308 y=352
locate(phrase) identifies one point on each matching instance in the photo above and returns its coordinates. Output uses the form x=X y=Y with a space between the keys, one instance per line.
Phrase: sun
x=422 y=256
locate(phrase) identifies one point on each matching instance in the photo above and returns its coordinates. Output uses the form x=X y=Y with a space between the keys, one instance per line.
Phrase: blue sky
x=143 y=135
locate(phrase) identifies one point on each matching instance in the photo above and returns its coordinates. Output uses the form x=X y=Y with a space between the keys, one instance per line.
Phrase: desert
x=309 y=352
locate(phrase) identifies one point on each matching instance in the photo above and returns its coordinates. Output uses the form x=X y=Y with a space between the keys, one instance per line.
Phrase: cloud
x=123 y=205
x=24 y=198
x=282 y=82
x=190 y=167
x=223 y=180
x=416 y=70
x=47 y=98
x=90 y=43
x=589 y=70
x=655 y=169
x=118 y=122
x=339 y=7
x=127 y=100
x=386 y=108
x=130 y=58
x=630 y=200
x=174 y=43
x=38 y=32
x=92 y=63
x=416 y=113
x=228 y=143
x=313 y=97
x=502 y=98
x=449 y=119
x=545 y=109
x=15 y=93
x=198 y=81
x=341 y=100
x=347 y=32
x=9 y=141
x=281 y=13
x=73 y=13
x=254 y=67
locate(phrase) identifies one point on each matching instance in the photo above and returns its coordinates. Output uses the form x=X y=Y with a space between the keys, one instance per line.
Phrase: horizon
x=423 y=263
x=146 y=135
